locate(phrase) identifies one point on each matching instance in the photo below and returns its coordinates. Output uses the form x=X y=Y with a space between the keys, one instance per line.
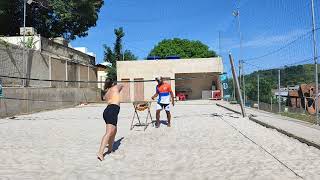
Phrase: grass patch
x=303 y=117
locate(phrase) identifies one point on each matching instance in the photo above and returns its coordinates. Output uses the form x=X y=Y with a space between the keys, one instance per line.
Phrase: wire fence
x=268 y=36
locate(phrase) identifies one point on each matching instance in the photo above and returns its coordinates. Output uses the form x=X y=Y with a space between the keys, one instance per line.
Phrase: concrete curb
x=303 y=140
x=238 y=112
x=254 y=119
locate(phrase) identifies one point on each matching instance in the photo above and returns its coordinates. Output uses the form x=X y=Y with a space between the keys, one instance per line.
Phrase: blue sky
x=265 y=25
x=146 y=22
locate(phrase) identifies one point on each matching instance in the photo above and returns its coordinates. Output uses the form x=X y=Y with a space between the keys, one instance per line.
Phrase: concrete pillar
x=219 y=85
x=78 y=67
x=88 y=75
x=173 y=85
x=66 y=66
x=131 y=84
x=50 y=69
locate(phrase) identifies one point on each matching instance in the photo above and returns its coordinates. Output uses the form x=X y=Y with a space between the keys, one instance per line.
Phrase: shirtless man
x=110 y=116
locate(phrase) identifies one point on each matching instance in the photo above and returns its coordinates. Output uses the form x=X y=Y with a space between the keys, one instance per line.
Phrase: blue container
x=153 y=57
x=173 y=57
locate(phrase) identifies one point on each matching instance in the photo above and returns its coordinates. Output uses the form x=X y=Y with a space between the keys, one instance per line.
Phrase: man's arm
x=171 y=94
x=154 y=96
x=120 y=86
x=172 y=98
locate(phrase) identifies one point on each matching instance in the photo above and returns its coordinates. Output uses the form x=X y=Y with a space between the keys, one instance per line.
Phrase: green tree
x=10 y=16
x=51 y=18
x=129 y=56
x=118 y=44
x=182 y=47
x=117 y=54
x=265 y=89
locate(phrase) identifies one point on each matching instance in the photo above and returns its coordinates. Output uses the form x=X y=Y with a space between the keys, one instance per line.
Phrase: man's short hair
x=108 y=83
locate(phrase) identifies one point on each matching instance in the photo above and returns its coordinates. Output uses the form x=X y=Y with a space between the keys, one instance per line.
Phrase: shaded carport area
x=195 y=84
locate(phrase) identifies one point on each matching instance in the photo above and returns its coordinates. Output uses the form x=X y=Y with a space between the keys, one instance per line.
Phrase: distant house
x=102 y=72
x=284 y=92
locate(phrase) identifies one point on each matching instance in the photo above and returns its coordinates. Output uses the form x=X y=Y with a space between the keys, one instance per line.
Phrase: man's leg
x=104 y=143
x=167 y=109
x=169 y=118
x=158 y=117
x=158 y=110
x=113 y=130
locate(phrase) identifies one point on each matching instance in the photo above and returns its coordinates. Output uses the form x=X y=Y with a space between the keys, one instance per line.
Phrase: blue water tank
x=173 y=57
x=153 y=57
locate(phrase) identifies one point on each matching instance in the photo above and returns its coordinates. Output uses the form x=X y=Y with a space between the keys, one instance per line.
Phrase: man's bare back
x=113 y=94
x=110 y=116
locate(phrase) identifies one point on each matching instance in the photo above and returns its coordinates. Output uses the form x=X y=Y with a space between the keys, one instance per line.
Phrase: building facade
x=102 y=73
x=189 y=76
x=45 y=59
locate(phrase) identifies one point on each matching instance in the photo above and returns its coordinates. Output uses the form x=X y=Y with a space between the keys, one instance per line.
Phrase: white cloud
x=266 y=41
x=263 y=40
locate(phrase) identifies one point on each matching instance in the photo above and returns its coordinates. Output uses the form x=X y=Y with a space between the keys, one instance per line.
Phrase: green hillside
x=290 y=76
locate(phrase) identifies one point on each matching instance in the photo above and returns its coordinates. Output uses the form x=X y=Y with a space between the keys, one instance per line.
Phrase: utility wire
x=283 y=65
x=64 y=81
x=281 y=48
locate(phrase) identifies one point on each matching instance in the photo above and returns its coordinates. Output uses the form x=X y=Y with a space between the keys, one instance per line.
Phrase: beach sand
x=62 y=144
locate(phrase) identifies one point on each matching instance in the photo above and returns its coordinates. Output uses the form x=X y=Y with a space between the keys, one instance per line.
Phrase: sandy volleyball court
x=62 y=144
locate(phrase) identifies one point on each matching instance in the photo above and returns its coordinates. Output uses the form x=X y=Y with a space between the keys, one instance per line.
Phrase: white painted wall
x=102 y=75
x=149 y=69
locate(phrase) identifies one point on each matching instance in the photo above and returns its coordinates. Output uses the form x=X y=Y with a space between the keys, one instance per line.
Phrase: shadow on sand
x=116 y=144
x=115 y=147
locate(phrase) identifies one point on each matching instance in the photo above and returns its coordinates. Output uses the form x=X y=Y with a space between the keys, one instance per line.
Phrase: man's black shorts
x=110 y=114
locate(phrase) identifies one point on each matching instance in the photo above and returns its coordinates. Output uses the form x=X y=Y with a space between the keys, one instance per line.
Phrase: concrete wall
x=39 y=43
x=58 y=72
x=93 y=76
x=44 y=65
x=54 y=62
x=38 y=68
x=32 y=42
x=149 y=69
x=50 y=47
x=52 y=98
x=11 y=64
x=83 y=75
x=72 y=74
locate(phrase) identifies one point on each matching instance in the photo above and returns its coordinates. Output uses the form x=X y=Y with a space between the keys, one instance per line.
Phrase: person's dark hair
x=159 y=80
x=108 y=83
